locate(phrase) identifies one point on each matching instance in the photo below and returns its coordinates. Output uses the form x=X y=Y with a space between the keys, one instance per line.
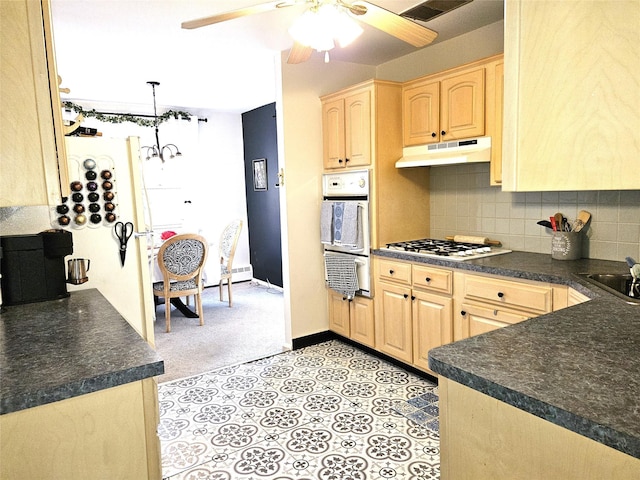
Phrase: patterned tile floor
x=329 y=411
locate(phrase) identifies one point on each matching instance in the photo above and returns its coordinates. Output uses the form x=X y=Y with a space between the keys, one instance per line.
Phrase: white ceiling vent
x=432 y=8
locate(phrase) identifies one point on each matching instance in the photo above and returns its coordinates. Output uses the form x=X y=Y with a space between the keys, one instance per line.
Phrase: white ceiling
x=108 y=49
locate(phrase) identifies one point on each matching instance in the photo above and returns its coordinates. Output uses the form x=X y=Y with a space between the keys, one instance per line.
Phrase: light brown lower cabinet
x=107 y=434
x=352 y=318
x=394 y=325
x=482 y=438
x=488 y=302
x=413 y=310
x=574 y=297
x=419 y=307
x=476 y=319
x=432 y=325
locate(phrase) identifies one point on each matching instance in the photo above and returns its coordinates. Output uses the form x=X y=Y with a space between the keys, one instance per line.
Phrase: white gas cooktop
x=446 y=249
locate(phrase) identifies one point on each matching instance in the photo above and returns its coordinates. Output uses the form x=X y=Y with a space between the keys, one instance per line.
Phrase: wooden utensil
x=581 y=221
x=472 y=239
x=559 y=219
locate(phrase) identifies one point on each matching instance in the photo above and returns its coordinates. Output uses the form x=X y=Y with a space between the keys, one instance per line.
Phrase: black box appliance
x=33 y=267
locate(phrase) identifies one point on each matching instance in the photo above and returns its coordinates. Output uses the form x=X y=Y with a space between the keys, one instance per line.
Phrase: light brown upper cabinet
x=495 y=116
x=32 y=151
x=572 y=96
x=440 y=108
x=346 y=124
x=365 y=121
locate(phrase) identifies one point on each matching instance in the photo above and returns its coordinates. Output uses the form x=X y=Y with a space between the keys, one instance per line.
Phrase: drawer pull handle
x=500 y=294
x=463 y=313
x=390 y=272
x=413 y=297
x=339 y=160
x=406 y=295
x=427 y=279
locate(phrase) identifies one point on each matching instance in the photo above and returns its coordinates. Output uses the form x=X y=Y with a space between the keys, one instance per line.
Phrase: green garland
x=127 y=117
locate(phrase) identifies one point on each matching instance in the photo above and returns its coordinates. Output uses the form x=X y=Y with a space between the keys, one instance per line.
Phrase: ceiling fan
x=327 y=20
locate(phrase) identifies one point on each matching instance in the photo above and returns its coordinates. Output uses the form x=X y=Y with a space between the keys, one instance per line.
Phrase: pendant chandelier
x=156 y=150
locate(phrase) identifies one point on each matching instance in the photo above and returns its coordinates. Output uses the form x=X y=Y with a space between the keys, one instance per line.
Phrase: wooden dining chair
x=228 y=244
x=181 y=261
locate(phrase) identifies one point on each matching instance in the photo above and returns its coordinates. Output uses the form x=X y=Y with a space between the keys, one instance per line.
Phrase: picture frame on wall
x=260 y=174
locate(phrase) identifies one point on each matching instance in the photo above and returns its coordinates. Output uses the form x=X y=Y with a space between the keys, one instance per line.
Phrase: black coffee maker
x=33 y=266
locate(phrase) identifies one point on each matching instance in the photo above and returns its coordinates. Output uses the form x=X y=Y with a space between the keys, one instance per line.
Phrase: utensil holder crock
x=566 y=245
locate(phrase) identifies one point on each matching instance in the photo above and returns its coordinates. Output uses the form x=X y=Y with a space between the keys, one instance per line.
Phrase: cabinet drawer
x=534 y=298
x=477 y=320
x=397 y=272
x=433 y=279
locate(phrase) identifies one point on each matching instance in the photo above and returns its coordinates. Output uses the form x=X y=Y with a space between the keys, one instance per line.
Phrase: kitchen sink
x=619 y=284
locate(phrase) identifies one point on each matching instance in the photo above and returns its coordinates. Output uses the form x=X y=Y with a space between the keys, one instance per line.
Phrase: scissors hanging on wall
x=123 y=232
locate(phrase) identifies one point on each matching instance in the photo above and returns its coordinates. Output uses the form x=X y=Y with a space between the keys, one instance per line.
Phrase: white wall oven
x=345 y=234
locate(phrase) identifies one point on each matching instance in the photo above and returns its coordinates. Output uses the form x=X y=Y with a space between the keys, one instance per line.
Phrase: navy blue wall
x=263 y=206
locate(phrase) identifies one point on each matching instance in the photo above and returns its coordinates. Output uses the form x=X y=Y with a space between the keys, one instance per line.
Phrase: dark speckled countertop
x=50 y=351
x=578 y=367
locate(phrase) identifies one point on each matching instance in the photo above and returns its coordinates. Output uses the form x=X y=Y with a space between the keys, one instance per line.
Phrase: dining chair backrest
x=181 y=260
x=182 y=257
x=229 y=242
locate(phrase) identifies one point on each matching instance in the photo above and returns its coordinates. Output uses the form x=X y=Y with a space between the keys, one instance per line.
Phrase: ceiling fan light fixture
x=320 y=25
x=346 y=29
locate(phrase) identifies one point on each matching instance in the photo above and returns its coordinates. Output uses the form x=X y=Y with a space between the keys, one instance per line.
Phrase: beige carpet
x=253 y=328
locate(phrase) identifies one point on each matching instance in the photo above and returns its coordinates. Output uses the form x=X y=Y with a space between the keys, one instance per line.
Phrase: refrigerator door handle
x=142 y=234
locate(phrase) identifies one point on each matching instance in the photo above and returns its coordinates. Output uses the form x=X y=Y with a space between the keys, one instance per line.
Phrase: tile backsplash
x=462 y=202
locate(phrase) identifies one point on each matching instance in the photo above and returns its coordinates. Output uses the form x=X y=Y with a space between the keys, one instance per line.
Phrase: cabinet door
x=357 y=129
x=572 y=120
x=393 y=321
x=333 y=134
x=338 y=314
x=462 y=105
x=476 y=319
x=362 y=324
x=432 y=325
x=495 y=115
x=421 y=114
x=32 y=157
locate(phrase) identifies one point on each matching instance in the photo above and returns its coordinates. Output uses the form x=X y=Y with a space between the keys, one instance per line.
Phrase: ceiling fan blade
x=241 y=12
x=299 y=53
x=394 y=24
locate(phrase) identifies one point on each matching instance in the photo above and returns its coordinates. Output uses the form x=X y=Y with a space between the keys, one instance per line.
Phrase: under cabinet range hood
x=471 y=150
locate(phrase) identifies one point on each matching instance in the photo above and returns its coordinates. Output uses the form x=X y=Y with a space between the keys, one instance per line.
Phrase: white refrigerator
x=127 y=287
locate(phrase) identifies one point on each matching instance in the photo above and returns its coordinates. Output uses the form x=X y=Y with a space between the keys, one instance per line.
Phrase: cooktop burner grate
x=445 y=248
